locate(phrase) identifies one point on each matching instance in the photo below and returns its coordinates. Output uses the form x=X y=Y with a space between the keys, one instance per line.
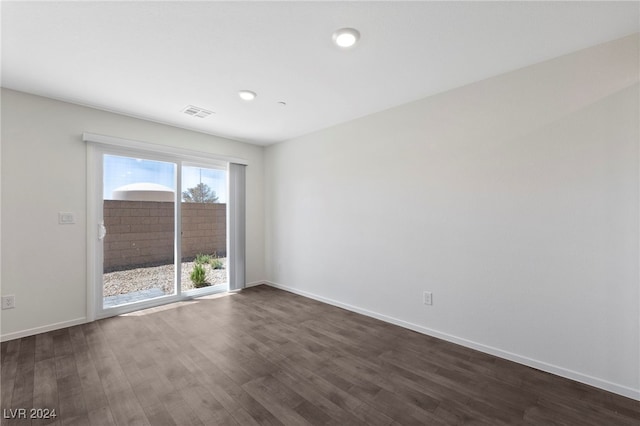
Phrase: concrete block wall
x=204 y=229
x=141 y=232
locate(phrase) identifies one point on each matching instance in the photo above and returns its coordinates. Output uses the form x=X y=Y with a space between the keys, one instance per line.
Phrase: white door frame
x=97 y=147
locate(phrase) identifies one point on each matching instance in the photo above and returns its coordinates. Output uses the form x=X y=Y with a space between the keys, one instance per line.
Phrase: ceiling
x=152 y=59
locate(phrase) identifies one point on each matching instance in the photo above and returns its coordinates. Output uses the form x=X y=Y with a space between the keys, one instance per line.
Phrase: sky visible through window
x=120 y=171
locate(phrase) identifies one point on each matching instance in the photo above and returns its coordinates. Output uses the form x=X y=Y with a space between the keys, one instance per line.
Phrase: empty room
x=310 y=213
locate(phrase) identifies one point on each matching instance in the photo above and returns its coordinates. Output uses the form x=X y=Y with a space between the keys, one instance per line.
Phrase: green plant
x=198 y=276
x=203 y=259
x=216 y=263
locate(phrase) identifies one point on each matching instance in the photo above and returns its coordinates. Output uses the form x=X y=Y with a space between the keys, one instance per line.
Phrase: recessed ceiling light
x=247 y=95
x=346 y=37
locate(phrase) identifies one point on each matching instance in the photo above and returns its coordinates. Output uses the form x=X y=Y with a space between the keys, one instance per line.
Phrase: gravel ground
x=123 y=282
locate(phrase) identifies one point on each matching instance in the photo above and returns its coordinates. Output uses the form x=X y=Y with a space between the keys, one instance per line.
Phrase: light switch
x=66 y=218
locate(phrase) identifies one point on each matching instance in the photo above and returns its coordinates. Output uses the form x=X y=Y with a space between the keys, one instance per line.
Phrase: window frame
x=97 y=147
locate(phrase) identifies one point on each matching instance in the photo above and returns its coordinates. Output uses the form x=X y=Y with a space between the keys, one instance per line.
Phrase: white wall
x=44 y=172
x=514 y=200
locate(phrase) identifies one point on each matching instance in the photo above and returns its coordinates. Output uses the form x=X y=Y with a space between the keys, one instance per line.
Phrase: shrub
x=202 y=259
x=216 y=263
x=198 y=276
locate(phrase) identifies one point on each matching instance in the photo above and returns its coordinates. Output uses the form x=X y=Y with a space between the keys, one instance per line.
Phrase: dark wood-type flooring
x=265 y=356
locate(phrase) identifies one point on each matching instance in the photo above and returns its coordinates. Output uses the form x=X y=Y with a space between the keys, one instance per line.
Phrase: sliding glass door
x=161 y=230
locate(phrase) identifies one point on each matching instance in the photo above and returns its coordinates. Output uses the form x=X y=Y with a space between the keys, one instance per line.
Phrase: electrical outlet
x=8 y=302
x=427 y=298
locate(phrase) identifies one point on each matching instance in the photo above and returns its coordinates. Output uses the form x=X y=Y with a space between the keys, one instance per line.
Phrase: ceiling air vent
x=195 y=111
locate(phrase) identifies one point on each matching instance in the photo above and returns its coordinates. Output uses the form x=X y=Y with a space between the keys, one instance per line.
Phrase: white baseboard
x=43 y=329
x=70 y=323
x=540 y=365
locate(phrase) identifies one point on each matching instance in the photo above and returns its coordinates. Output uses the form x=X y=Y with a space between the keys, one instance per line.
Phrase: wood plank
x=23 y=385
x=277 y=399
x=44 y=347
x=101 y=417
x=8 y=372
x=46 y=392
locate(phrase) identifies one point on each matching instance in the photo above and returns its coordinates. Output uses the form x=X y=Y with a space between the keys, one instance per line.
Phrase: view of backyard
x=132 y=285
x=139 y=210
x=160 y=277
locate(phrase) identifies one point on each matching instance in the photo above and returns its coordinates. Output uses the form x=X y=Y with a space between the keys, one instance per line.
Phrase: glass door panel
x=204 y=229
x=139 y=219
